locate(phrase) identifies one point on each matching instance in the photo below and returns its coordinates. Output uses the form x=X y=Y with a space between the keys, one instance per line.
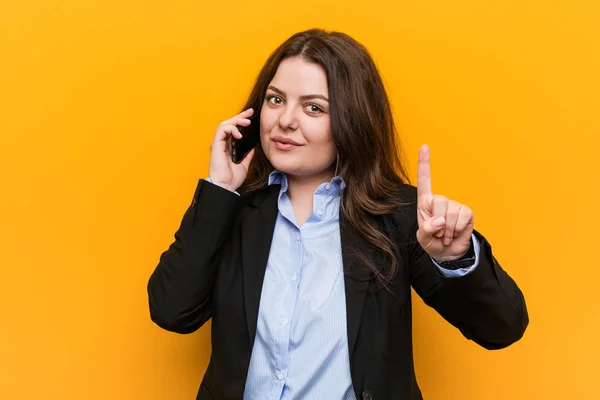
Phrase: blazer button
x=367 y=395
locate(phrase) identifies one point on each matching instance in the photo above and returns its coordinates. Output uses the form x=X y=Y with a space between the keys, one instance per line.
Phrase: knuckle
x=426 y=228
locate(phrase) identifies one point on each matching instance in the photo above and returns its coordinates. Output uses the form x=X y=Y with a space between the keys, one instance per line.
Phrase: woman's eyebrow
x=305 y=97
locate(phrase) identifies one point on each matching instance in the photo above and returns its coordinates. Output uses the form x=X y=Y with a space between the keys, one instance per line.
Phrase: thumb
x=428 y=228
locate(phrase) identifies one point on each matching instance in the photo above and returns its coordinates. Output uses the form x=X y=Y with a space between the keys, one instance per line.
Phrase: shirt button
x=279 y=375
x=284 y=321
x=328 y=186
x=294 y=277
x=321 y=212
x=298 y=238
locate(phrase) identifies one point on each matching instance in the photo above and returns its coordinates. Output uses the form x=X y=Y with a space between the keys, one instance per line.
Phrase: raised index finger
x=424 y=174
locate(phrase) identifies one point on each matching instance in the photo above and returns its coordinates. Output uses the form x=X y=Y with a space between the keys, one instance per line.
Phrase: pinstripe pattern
x=301 y=345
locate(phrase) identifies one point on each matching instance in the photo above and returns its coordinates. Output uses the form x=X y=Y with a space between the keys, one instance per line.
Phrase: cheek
x=267 y=121
x=320 y=135
x=268 y=118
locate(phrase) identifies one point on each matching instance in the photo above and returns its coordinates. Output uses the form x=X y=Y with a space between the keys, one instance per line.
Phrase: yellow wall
x=107 y=109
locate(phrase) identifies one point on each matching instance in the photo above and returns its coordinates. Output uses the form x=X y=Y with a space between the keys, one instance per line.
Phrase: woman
x=304 y=253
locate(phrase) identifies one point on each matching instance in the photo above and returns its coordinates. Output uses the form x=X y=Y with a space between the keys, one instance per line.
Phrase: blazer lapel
x=355 y=297
x=257 y=234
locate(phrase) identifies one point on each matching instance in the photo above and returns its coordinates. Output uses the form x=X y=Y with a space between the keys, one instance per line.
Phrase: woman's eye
x=274 y=99
x=313 y=108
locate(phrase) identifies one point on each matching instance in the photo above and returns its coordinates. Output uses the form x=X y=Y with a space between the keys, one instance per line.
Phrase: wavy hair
x=363 y=130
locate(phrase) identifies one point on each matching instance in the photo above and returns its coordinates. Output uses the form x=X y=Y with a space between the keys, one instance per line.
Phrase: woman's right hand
x=222 y=170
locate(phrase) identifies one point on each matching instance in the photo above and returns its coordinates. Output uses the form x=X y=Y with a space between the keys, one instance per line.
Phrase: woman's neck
x=301 y=187
x=300 y=192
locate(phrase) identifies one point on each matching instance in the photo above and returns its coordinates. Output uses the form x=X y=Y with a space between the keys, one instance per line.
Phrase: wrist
x=465 y=260
x=220 y=184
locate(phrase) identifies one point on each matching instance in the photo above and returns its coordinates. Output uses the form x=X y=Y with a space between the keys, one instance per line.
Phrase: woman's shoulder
x=405 y=210
x=407 y=192
x=257 y=196
x=406 y=196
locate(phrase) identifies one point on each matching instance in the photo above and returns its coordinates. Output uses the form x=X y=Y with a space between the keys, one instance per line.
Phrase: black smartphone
x=241 y=147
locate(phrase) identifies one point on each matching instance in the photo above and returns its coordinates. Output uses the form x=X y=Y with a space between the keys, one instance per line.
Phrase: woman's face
x=294 y=120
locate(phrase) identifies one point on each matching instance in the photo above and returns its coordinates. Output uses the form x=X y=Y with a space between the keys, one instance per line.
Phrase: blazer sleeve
x=486 y=305
x=180 y=288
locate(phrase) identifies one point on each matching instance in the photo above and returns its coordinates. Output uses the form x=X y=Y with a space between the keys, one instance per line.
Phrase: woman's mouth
x=285 y=144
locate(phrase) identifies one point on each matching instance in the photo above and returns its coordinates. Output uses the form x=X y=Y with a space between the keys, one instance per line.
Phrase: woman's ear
x=337 y=162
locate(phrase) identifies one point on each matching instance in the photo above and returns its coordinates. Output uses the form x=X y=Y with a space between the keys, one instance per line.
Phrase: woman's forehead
x=297 y=77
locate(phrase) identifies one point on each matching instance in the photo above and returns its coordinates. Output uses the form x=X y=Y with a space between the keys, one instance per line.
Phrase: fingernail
x=447 y=241
x=438 y=222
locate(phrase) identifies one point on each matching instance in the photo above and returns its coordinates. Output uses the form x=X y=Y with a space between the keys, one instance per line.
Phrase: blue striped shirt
x=301 y=345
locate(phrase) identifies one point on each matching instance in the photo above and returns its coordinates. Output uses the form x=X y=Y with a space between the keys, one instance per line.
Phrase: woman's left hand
x=445 y=226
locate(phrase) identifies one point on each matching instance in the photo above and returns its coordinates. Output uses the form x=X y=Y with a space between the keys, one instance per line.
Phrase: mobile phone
x=241 y=147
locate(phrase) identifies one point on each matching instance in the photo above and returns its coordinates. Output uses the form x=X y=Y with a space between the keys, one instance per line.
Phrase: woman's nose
x=288 y=119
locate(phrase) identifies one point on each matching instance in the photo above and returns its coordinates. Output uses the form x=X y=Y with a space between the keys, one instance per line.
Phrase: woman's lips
x=285 y=144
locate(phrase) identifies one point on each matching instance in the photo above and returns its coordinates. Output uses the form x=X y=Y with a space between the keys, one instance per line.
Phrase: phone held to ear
x=241 y=147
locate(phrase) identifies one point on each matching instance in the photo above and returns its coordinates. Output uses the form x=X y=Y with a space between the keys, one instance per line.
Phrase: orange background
x=107 y=109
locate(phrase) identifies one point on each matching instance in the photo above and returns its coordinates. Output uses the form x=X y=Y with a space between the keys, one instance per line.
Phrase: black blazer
x=215 y=269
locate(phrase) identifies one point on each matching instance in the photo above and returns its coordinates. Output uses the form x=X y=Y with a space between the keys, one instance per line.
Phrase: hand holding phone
x=242 y=146
x=223 y=171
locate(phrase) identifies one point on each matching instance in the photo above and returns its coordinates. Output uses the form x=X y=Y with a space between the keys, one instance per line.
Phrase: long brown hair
x=364 y=133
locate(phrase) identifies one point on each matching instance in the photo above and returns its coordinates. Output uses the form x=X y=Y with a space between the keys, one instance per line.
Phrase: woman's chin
x=286 y=164
x=297 y=169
